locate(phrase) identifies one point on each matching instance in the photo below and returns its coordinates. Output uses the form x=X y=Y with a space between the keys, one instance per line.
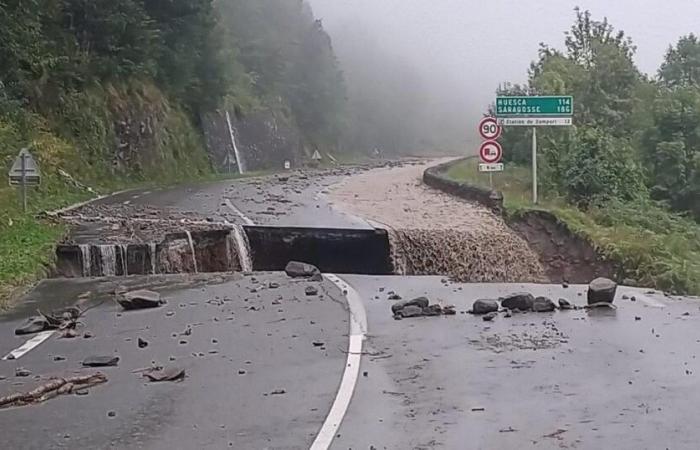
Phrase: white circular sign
x=489 y=129
x=491 y=152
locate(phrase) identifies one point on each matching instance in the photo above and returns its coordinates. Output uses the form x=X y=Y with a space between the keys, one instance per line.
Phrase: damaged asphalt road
x=262 y=362
x=243 y=348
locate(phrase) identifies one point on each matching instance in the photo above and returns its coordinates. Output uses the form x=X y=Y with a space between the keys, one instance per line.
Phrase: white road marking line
x=29 y=345
x=358 y=328
x=240 y=214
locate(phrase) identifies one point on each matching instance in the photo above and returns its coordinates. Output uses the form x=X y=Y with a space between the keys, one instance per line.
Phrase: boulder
x=601 y=290
x=411 y=311
x=420 y=302
x=543 y=304
x=296 y=269
x=521 y=301
x=565 y=304
x=484 y=306
x=433 y=310
x=34 y=325
x=141 y=299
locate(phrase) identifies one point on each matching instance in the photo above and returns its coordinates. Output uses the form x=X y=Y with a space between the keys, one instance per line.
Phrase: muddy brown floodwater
x=435 y=233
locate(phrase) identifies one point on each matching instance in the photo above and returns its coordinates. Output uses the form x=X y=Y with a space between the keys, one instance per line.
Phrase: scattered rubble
x=311 y=290
x=165 y=374
x=53 y=388
x=101 y=361
x=601 y=290
x=419 y=307
x=565 y=304
x=490 y=316
x=141 y=299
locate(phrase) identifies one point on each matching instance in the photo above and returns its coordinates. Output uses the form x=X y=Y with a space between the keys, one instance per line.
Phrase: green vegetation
x=656 y=247
x=111 y=93
x=627 y=174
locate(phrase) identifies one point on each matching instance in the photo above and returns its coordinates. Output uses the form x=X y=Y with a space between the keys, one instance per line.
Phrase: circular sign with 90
x=489 y=128
x=491 y=152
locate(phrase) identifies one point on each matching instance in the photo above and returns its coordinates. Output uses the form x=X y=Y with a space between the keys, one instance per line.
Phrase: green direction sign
x=533 y=106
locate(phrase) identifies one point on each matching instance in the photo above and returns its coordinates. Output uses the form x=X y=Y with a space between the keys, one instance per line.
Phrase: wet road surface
x=569 y=379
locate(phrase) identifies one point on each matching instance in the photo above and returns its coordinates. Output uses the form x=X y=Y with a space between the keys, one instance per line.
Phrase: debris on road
x=489 y=316
x=142 y=343
x=141 y=299
x=543 y=304
x=565 y=304
x=311 y=290
x=22 y=372
x=278 y=392
x=165 y=374
x=484 y=306
x=521 y=301
x=101 y=361
x=601 y=290
x=33 y=325
x=59 y=320
x=296 y=269
x=419 y=307
x=53 y=388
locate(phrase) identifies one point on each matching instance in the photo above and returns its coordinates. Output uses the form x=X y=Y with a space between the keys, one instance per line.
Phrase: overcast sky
x=475 y=44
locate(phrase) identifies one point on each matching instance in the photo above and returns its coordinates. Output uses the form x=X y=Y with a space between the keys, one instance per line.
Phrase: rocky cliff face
x=260 y=140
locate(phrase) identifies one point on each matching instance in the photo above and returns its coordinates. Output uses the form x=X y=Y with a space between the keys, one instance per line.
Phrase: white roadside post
x=534 y=165
x=535 y=111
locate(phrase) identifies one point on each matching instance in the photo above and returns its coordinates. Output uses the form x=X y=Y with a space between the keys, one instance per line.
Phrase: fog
x=454 y=53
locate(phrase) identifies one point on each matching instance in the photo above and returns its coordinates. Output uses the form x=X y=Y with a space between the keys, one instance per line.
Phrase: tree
x=681 y=66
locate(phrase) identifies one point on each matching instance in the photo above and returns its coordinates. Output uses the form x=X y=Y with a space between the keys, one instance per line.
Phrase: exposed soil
x=436 y=233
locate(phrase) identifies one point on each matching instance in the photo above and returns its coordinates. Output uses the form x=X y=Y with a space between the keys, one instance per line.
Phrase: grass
x=655 y=247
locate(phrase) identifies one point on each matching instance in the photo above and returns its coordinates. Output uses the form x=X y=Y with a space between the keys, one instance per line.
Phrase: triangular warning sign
x=30 y=165
x=316 y=156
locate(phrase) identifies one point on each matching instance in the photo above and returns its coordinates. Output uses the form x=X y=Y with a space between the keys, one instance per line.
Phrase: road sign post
x=535 y=111
x=24 y=172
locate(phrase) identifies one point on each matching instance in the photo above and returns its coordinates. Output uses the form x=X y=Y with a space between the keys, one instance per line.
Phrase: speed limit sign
x=489 y=129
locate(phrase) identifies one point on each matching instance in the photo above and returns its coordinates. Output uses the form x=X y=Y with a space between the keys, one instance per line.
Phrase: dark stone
x=311 y=290
x=521 y=301
x=601 y=290
x=449 y=310
x=22 y=372
x=394 y=296
x=543 y=304
x=411 y=311
x=484 y=306
x=141 y=299
x=142 y=343
x=490 y=316
x=565 y=304
x=33 y=325
x=433 y=310
x=420 y=302
x=101 y=361
x=273 y=285
x=296 y=269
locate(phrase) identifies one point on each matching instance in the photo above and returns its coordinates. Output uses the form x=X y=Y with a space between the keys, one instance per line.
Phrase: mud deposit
x=435 y=233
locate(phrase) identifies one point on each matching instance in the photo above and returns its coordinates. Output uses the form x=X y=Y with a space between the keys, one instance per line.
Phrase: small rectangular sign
x=30 y=180
x=495 y=167
x=535 y=121
x=531 y=106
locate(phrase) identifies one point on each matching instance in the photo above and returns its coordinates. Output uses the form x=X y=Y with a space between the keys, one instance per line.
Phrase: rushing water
x=194 y=255
x=242 y=246
x=239 y=158
x=152 y=254
x=86 y=260
x=108 y=260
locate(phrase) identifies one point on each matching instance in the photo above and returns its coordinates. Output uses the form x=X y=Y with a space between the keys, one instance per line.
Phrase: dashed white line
x=29 y=345
x=358 y=329
x=238 y=212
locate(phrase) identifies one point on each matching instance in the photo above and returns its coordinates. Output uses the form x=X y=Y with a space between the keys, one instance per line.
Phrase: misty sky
x=472 y=45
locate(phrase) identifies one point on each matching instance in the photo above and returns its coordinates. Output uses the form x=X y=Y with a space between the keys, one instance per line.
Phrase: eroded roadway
x=588 y=379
